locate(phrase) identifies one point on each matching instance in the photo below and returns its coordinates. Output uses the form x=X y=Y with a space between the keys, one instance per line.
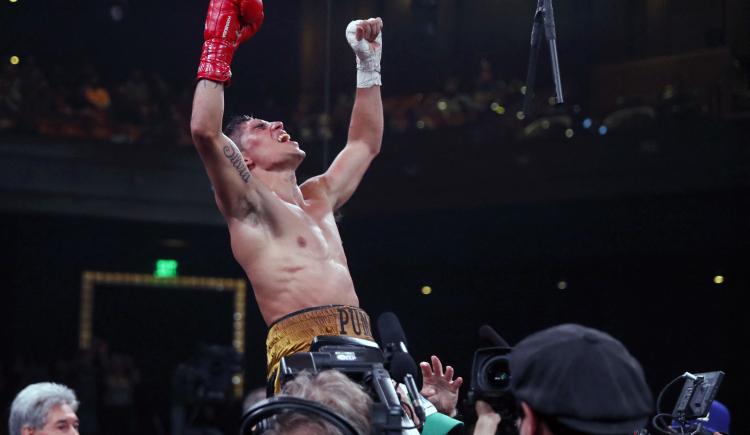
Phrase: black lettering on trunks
x=343 y=320
x=366 y=325
x=356 y=321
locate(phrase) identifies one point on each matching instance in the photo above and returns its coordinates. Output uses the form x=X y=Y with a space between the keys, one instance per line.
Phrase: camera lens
x=496 y=373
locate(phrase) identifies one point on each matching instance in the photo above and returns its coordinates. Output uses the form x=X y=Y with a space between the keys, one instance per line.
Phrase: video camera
x=202 y=388
x=207 y=377
x=490 y=382
x=362 y=361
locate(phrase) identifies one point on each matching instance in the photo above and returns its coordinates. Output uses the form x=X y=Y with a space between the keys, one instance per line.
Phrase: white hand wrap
x=368 y=56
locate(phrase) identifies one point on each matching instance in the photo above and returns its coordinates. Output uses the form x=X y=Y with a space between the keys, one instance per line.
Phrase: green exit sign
x=165 y=269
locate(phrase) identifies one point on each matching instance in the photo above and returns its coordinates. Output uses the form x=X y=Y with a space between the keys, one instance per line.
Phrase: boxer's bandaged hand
x=368 y=56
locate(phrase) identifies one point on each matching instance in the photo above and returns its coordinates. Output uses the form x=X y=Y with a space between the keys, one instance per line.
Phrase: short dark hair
x=231 y=129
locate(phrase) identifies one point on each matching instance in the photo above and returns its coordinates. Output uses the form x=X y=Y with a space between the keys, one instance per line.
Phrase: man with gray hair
x=333 y=390
x=44 y=409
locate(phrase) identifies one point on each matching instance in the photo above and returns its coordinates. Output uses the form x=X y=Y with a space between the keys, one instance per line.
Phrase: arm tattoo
x=235 y=158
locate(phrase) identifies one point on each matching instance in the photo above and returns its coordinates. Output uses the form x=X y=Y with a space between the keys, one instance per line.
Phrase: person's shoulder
x=314 y=188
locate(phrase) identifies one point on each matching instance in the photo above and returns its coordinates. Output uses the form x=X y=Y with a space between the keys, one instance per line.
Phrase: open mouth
x=283 y=137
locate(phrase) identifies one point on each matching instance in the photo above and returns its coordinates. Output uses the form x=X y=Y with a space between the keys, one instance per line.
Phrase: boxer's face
x=266 y=145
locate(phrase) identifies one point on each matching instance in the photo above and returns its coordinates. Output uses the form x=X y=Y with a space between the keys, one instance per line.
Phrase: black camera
x=202 y=387
x=207 y=377
x=490 y=382
x=360 y=360
x=490 y=372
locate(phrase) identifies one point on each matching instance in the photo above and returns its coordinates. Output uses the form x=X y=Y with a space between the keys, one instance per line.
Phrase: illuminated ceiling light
x=442 y=105
x=13 y=1
x=562 y=285
x=426 y=290
x=587 y=123
x=719 y=279
x=603 y=130
x=520 y=115
x=569 y=133
x=14 y=60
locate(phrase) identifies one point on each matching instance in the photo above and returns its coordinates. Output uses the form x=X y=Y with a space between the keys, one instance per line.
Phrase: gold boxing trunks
x=294 y=332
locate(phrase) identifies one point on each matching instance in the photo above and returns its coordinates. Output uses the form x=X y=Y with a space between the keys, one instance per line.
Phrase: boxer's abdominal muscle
x=300 y=264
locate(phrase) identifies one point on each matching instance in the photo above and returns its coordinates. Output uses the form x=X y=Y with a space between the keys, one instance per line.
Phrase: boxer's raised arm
x=228 y=24
x=222 y=159
x=366 y=126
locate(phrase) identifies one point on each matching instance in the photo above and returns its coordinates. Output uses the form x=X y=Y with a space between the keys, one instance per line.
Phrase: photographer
x=570 y=379
x=352 y=401
x=332 y=389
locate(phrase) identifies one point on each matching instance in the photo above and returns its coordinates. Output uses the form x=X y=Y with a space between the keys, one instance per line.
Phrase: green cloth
x=439 y=424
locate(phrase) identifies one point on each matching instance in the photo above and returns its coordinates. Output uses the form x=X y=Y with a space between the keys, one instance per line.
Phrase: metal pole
x=549 y=31
x=535 y=44
x=327 y=86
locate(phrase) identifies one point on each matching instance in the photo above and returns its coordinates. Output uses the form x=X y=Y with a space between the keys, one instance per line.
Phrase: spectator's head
x=44 y=409
x=253 y=397
x=333 y=390
x=263 y=144
x=576 y=380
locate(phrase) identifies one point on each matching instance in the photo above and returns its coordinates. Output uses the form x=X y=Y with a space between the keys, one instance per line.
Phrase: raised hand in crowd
x=439 y=387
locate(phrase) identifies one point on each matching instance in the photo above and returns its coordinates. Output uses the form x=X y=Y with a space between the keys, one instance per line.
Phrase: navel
x=301 y=242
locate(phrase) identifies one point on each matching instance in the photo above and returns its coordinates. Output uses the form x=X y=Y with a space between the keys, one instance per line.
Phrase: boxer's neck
x=282 y=183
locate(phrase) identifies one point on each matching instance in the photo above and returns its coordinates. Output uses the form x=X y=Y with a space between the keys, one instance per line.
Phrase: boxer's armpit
x=235 y=158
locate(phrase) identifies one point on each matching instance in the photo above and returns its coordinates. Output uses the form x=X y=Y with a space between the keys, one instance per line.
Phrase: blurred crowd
x=61 y=101
x=77 y=102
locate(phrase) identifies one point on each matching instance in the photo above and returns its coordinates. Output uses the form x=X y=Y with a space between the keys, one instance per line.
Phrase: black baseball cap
x=583 y=378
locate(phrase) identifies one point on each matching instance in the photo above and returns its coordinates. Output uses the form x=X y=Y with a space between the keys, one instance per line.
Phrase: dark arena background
x=626 y=209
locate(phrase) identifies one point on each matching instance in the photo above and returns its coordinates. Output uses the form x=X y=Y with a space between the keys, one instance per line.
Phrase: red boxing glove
x=228 y=24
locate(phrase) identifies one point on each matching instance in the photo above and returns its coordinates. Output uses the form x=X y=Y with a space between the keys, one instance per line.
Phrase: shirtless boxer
x=284 y=235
